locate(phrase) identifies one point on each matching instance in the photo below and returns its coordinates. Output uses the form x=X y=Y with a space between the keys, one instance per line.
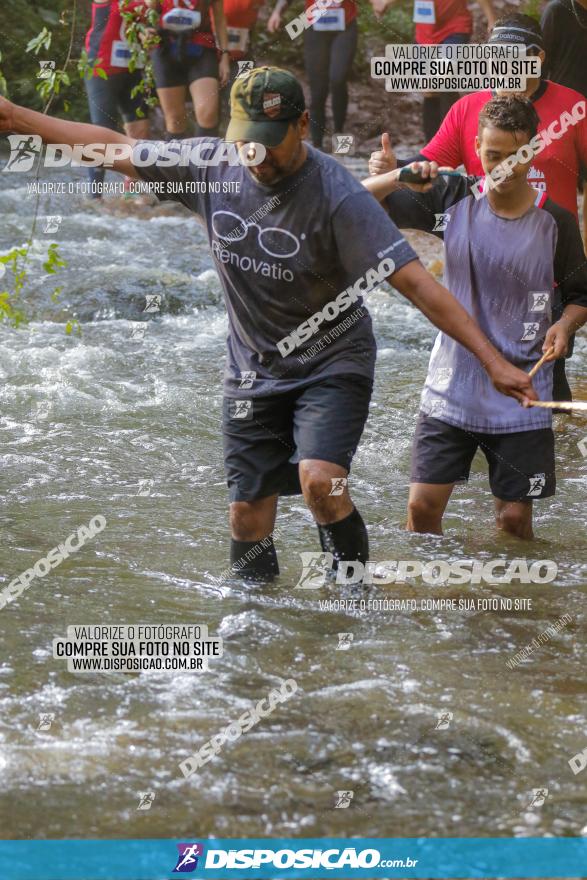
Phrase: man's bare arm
x=52 y=130
x=446 y=313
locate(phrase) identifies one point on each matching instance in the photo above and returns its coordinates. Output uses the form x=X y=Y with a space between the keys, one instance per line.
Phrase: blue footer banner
x=293 y=857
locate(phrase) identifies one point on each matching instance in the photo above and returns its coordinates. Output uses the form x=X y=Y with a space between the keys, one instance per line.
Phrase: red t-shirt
x=241 y=16
x=105 y=40
x=452 y=17
x=349 y=6
x=202 y=35
x=554 y=170
x=241 y=13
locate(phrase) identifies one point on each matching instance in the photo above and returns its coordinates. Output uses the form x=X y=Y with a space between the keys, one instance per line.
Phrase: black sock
x=254 y=559
x=171 y=136
x=346 y=539
x=202 y=132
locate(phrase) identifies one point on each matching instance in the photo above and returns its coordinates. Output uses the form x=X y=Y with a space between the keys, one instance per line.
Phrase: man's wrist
x=490 y=358
x=568 y=324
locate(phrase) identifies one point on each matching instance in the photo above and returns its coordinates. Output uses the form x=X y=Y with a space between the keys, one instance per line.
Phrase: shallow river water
x=109 y=424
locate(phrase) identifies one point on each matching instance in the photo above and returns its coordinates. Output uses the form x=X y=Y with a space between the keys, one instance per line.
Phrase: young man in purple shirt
x=505 y=254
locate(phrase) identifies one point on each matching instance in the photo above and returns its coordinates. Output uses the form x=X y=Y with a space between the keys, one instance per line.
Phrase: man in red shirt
x=241 y=17
x=555 y=170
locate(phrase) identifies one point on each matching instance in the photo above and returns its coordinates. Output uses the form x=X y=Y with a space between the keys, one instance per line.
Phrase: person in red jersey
x=441 y=22
x=330 y=45
x=555 y=170
x=110 y=85
x=241 y=17
x=192 y=36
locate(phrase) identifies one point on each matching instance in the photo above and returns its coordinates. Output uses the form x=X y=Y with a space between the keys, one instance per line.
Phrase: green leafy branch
x=14 y=263
x=142 y=37
x=13 y=266
x=3 y=83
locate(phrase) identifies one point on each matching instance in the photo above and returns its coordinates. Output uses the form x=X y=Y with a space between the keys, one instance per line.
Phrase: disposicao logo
x=187 y=860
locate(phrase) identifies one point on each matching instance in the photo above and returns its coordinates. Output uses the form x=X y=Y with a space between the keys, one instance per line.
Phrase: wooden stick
x=568 y=405
x=537 y=365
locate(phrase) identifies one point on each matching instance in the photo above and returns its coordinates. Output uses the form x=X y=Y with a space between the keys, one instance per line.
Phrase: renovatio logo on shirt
x=229 y=229
x=187 y=860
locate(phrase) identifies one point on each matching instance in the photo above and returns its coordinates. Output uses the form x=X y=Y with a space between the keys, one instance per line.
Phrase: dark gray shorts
x=521 y=464
x=263 y=447
x=169 y=71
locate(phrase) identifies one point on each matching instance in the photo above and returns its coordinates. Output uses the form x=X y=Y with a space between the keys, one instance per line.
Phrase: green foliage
x=15 y=278
x=3 y=83
x=9 y=300
x=86 y=69
x=141 y=37
x=51 y=22
x=72 y=325
x=41 y=41
x=53 y=261
x=532 y=8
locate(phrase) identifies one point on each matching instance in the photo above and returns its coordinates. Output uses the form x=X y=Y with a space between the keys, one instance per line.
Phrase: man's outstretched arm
x=52 y=130
x=446 y=313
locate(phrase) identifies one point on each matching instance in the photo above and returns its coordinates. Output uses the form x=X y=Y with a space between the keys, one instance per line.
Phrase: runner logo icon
x=538 y=300
x=530 y=331
x=539 y=795
x=315 y=568
x=244 y=67
x=338 y=485
x=247 y=379
x=46 y=720
x=24 y=152
x=187 y=860
x=537 y=484
x=444 y=719
x=441 y=222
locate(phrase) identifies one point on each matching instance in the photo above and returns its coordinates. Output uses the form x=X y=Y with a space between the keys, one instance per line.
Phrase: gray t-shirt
x=514 y=277
x=283 y=254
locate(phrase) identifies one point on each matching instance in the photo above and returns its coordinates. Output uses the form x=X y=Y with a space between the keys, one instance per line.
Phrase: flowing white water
x=83 y=420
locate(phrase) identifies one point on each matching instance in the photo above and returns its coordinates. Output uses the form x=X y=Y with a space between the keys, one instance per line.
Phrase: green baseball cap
x=262 y=104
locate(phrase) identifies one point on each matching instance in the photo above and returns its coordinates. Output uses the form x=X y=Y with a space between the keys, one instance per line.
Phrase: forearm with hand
x=62 y=131
x=446 y=313
x=558 y=336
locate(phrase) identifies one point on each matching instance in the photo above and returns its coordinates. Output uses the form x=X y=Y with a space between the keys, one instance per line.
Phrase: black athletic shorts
x=521 y=464
x=169 y=72
x=265 y=441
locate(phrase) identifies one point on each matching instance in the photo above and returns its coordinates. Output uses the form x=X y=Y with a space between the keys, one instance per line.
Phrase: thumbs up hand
x=383 y=160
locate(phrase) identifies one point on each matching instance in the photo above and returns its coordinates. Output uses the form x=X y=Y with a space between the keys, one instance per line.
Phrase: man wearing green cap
x=296 y=241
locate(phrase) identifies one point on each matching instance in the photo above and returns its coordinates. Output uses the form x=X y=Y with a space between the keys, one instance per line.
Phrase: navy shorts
x=265 y=438
x=168 y=71
x=521 y=464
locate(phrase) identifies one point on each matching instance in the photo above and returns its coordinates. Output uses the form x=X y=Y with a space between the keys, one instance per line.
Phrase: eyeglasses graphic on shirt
x=276 y=242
